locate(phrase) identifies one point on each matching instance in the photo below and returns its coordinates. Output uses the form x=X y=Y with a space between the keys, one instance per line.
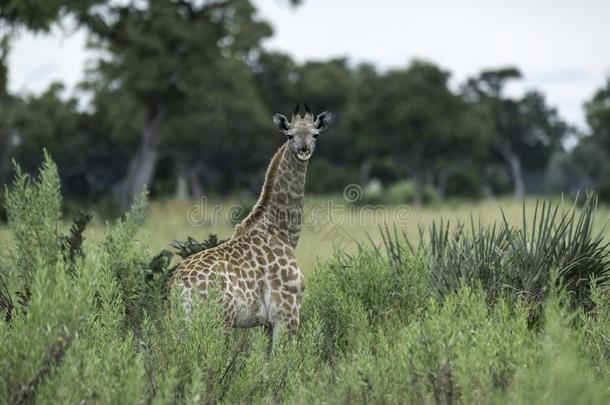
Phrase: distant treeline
x=182 y=93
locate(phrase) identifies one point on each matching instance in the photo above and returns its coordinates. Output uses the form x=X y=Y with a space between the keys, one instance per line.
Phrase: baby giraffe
x=256 y=270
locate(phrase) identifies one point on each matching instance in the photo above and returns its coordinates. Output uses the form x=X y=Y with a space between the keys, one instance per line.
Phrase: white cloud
x=35 y=61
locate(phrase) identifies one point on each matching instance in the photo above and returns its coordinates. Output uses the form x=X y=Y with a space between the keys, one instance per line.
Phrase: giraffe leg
x=288 y=320
x=292 y=322
x=227 y=297
x=290 y=313
x=271 y=335
x=187 y=300
x=230 y=312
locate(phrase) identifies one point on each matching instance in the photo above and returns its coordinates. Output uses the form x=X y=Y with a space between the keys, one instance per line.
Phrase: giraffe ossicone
x=256 y=269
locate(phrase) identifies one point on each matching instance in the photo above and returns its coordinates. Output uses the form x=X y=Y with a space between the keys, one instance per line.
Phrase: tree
x=221 y=138
x=579 y=170
x=597 y=112
x=598 y=117
x=412 y=116
x=15 y=127
x=462 y=155
x=161 y=55
x=7 y=105
x=276 y=76
x=40 y=15
x=46 y=121
x=526 y=130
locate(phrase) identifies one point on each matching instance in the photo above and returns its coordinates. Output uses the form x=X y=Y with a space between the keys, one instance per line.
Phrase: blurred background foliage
x=181 y=97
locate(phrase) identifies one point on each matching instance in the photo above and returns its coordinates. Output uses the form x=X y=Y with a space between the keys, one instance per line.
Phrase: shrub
x=34 y=216
x=35 y=342
x=101 y=365
x=561 y=374
x=517 y=262
x=329 y=176
x=351 y=295
x=596 y=332
x=60 y=296
x=143 y=287
x=604 y=186
x=460 y=351
x=401 y=192
x=96 y=329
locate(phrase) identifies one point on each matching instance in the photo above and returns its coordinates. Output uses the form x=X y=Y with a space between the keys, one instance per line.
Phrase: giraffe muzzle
x=304 y=153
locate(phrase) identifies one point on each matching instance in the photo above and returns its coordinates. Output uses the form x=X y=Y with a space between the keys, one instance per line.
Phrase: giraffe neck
x=279 y=210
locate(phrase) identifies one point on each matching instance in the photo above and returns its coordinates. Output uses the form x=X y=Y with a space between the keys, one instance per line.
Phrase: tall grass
x=95 y=327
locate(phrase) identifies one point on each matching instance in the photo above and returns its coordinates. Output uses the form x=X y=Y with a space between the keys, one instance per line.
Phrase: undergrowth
x=442 y=324
x=557 y=248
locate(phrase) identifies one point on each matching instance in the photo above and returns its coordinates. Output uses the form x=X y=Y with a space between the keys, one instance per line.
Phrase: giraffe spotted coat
x=256 y=270
x=258 y=275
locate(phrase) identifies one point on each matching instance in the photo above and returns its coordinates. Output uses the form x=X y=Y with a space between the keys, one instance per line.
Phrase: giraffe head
x=302 y=132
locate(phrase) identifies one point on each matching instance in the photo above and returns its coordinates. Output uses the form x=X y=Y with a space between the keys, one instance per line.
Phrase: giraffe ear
x=323 y=120
x=280 y=122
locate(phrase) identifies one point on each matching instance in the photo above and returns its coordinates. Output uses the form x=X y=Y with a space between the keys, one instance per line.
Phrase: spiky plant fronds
x=515 y=261
x=191 y=246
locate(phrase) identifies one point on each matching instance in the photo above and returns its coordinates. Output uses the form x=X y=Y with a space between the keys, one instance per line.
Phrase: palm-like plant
x=558 y=246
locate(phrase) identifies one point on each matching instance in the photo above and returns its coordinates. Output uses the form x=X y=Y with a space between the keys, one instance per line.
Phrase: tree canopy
x=182 y=93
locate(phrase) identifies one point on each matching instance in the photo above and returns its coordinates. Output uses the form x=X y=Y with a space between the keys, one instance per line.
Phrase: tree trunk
x=419 y=184
x=5 y=162
x=443 y=178
x=194 y=183
x=516 y=172
x=142 y=166
x=182 y=190
x=487 y=192
x=365 y=172
x=4 y=169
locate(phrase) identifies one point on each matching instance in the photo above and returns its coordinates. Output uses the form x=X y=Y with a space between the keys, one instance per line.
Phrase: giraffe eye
x=290 y=136
x=315 y=136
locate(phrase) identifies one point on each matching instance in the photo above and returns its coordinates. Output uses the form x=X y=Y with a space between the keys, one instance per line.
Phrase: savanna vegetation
x=432 y=284
x=515 y=312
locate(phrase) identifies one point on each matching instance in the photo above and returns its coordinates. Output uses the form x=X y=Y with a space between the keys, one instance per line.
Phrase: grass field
x=484 y=318
x=330 y=223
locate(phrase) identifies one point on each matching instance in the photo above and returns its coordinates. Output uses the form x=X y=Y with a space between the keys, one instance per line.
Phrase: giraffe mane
x=263 y=200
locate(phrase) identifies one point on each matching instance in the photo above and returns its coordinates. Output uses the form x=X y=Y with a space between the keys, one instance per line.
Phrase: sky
x=562 y=47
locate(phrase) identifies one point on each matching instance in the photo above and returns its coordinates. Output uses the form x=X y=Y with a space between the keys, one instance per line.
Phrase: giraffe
x=256 y=269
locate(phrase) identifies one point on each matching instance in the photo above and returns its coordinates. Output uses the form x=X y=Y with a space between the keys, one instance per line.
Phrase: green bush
x=465 y=182
x=351 y=295
x=401 y=192
x=96 y=328
x=561 y=373
x=128 y=260
x=101 y=364
x=596 y=331
x=557 y=248
x=36 y=340
x=459 y=351
x=34 y=217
